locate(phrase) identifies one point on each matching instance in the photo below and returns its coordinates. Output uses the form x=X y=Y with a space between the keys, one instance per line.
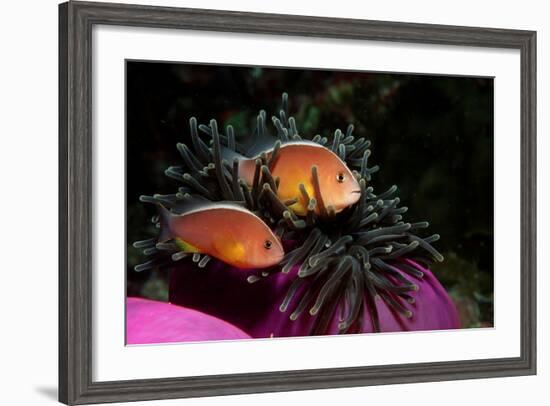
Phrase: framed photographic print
x=261 y=202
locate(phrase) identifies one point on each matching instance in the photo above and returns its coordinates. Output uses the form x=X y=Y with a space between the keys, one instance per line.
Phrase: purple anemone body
x=150 y=322
x=224 y=292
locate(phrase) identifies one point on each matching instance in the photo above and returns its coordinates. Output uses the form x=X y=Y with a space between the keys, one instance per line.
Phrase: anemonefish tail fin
x=165 y=219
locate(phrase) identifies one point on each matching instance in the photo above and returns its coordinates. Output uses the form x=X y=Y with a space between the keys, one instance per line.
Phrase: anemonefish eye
x=268 y=244
x=340 y=177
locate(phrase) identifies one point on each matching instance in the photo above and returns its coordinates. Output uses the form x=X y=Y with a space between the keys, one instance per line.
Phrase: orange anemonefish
x=224 y=231
x=293 y=164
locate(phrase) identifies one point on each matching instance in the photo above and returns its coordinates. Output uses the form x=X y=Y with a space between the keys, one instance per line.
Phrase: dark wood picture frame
x=76 y=20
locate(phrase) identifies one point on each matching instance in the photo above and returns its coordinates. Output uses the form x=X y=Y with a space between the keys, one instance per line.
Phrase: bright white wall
x=28 y=172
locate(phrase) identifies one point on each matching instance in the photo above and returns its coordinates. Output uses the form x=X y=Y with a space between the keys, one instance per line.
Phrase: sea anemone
x=224 y=292
x=152 y=322
x=361 y=270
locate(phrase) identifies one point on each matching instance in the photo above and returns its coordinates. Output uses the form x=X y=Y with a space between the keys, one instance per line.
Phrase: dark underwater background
x=432 y=136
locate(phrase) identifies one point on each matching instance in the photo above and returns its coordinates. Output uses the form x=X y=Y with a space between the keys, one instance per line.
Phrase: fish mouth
x=355 y=195
x=272 y=262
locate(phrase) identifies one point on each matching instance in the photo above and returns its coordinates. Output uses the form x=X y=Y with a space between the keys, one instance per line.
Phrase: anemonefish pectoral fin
x=185 y=246
x=229 y=249
x=300 y=207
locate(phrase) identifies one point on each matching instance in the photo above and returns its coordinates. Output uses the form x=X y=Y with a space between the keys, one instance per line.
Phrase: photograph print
x=272 y=202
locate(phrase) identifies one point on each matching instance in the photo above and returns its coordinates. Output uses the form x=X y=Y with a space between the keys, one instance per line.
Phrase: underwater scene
x=267 y=202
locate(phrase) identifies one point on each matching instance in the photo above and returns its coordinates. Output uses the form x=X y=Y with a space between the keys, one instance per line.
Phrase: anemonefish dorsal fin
x=182 y=207
x=194 y=204
x=233 y=204
x=229 y=155
x=268 y=148
x=189 y=203
x=262 y=143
